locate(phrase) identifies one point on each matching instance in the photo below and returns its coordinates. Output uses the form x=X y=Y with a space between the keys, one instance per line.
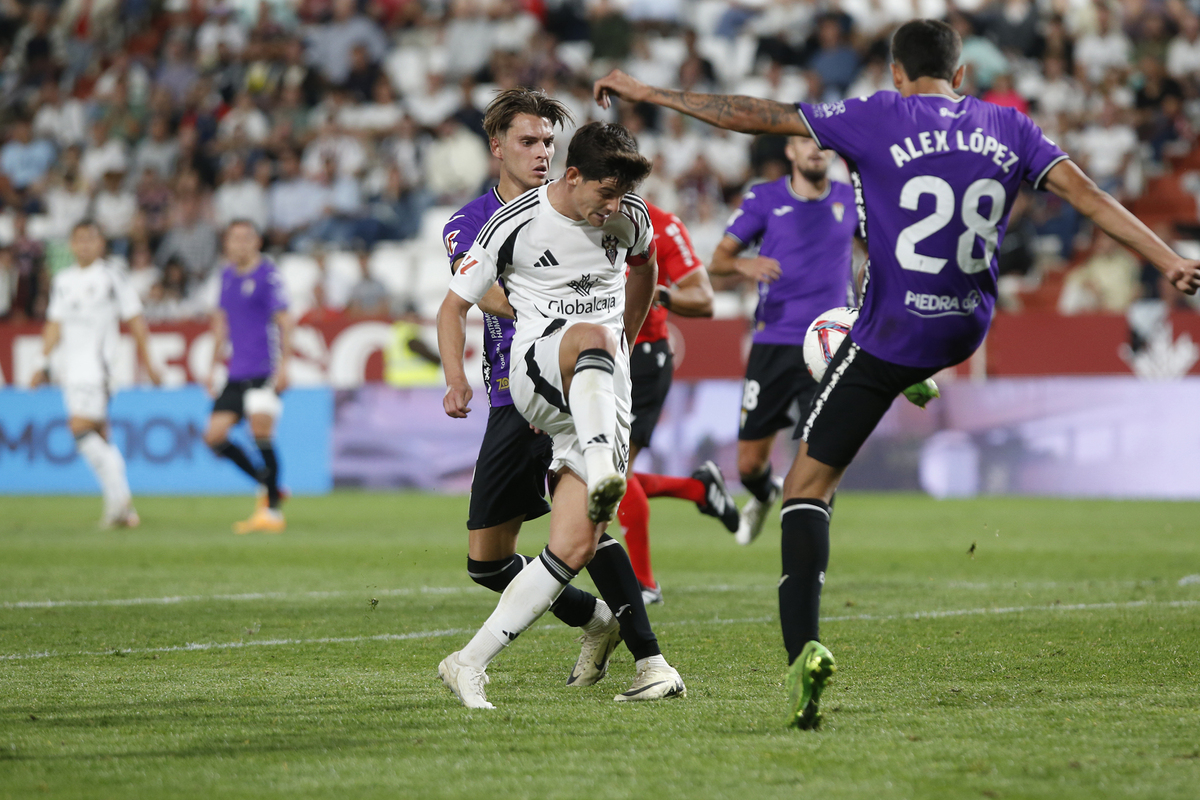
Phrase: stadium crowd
x=335 y=125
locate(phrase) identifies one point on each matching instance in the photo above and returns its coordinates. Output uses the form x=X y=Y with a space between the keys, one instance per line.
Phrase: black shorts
x=233 y=396
x=650 y=368
x=856 y=392
x=510 y=474
x=777 y=392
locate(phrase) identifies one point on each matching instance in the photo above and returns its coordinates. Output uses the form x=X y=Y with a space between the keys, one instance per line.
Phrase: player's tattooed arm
x=731 y=111
x=452 y=339
x=1070 y=183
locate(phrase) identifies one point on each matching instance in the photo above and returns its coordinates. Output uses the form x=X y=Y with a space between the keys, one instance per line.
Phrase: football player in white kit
x=562 y=250
x=88 y=302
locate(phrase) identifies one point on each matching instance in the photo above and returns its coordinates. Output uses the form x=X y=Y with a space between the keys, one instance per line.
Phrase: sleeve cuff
x=1041 y=178
x=807 y=124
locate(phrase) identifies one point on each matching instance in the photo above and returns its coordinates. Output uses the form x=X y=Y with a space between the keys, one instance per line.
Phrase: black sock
x=269 y=477
x=613 y=575
x=805 y=551
x=759 y=485
x=574 y=606
x=237 y=455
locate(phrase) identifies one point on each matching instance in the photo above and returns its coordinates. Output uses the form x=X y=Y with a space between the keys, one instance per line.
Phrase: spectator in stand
x=330 y=44
x=398 y=208
x=66 y=201
x=1003 y=93
x=177 y=73
x=221 y=28
x=158 y=151
x=334 y=143
x=1014 y=27
x=456 y=163
x=1108 y=281
x=104 y=153
x=343 y=223
x=191 y=240
x=114 y=208
x=30 y=284
x=294 y=203
x=369 y=297
x=25 y=160
x=363 y=75
x=62 y=120
x=169 y=300
x=1183 y=53
x=1107 y=47
x=835 y=60
x=38 y=49
x=1105 y=149
x=244 y=118
x=239 y=196
x=143 y=275
x=983 y=59
x=154 y=204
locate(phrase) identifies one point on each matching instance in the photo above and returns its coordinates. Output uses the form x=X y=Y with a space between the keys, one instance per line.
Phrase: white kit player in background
x=88 y=302
x=562 y=251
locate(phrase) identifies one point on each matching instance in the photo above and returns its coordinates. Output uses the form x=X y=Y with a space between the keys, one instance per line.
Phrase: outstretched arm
x=734 y=112
x=1069 y=182
x=452 y=339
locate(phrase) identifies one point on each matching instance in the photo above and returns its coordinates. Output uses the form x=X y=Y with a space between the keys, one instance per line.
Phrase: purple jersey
x=459 y=234
x=811 y=240
x=250 y=302
x=935 y=179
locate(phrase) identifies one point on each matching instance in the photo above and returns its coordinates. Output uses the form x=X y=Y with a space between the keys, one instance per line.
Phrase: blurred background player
x=563 y=250
x=88 y=301
x=252 y=317
x=683 y=288
x=509 y=483
x=803 y=225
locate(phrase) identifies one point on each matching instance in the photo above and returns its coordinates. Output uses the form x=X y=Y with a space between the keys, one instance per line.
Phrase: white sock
x=526 y=598
x=602 y=617
x=594 y=410
x=109 y=468
x=652 y=661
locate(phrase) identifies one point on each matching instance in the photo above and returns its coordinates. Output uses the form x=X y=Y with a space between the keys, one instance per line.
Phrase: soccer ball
x=825 y=336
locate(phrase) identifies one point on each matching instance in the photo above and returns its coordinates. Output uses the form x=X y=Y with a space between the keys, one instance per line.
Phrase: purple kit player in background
x=805 y=224
x=252 y=316
x=935 y=175
x=509 y=484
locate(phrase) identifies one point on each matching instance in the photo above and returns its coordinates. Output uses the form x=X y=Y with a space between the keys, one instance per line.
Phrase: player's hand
x=280 y=381
x=457 y=401
x=39 y=378
x=760 y=269
x=1186 y=278
x=210 y=384
x=536 y=430
x=618 y=84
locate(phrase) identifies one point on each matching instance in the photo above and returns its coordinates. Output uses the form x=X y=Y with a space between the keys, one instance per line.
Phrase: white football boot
x=754 y=514
x=652 y=595
x=465 y=681
x=599 y=643
x=654 y=681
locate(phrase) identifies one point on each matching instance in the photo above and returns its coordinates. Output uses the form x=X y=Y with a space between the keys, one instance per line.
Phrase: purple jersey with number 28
x=935 y=179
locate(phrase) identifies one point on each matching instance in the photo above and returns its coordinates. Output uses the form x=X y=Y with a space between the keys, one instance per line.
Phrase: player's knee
x=214 y=439
x=598 y=337
x=577 y=555
x=751 y=464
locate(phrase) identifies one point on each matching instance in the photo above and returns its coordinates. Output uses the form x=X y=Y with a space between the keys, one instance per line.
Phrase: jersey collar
x=824 y=194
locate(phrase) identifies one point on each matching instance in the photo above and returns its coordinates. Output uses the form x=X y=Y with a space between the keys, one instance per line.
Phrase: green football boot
x=919 y=394
x=806 y=680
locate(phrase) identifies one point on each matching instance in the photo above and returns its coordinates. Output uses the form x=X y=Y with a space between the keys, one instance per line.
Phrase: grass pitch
x=1059 y=659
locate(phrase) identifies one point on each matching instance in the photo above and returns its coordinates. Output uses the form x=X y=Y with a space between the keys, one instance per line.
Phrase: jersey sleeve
x=1038 y=154
x=276 y=295
x=749 y=221
x=642 y=248
x=676 y=256
x=129 y=305
x=460 y=232
x=845 y=126
x=476 y=274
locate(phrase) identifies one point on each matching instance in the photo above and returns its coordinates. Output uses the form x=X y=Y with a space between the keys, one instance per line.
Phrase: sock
x=527 y=597
x=805 y=552
x=653 y=661
x=228 y=449
x=109 y=468
x=759 y=485
x=269 y=476
x=594 y=410
x=574 y=606
x=611 y=572
x=634 y=516
x=669 y=486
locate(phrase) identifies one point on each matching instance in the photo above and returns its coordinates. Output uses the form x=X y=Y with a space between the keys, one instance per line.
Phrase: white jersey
x=554 y=267
x=89 y=305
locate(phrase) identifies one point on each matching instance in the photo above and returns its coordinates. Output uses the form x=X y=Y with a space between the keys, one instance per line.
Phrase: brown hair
x=523 y=100
x=602 y=150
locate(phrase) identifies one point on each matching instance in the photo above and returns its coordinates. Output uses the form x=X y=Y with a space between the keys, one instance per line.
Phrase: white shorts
x=86 y=400
x=535 y=382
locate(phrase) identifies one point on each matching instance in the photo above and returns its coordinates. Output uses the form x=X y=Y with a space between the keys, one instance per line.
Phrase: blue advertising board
x=161 y=434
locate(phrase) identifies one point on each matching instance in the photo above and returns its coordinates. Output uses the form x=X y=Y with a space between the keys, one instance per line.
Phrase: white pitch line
x=399 y=637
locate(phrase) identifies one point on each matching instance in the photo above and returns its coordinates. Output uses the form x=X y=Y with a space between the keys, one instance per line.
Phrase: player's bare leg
x=754 y=469
x=808 y=491
x=108 y=465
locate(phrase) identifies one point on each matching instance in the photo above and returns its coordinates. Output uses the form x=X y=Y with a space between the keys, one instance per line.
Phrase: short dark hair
x=603 y=150
x=927 y=48
x=233 y=223
x=87 y=222
x=522 y=100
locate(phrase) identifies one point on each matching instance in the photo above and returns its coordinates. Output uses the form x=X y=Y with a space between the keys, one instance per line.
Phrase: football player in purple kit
x=509 y=483
x=252 y=316
x=804 y=224
x=935 y=175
